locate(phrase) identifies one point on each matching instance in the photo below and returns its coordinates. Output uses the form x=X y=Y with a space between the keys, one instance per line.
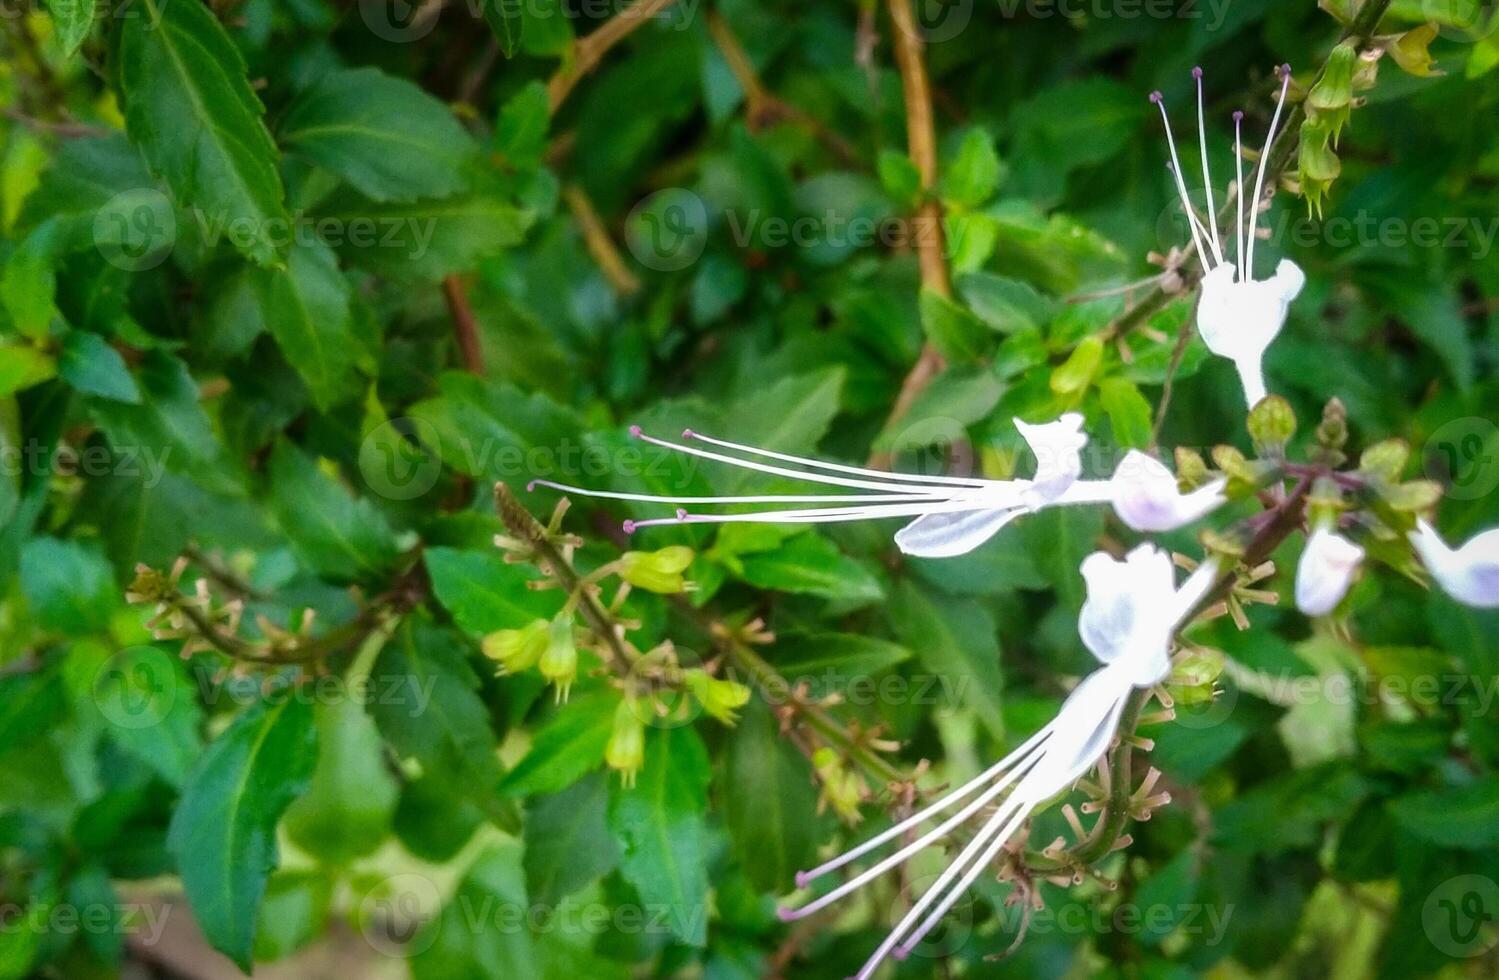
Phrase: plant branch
x=587 y=52
x=931 y=244
x=600 y=246
x=465 y=326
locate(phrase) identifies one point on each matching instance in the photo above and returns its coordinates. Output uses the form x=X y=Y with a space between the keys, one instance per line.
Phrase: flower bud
x=559 y=663
x=720 y=698
x=517 y=650
x=1326 y=571
x=657 y=571
x=1194 y=676
x=625 y=752
x=1272 y=423
x=842 y=789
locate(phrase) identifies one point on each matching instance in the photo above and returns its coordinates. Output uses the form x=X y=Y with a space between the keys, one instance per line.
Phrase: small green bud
x=1191 y=469
x=517 y=650
x=1272 y=423
x=1412 y=53
x=657 y=571
x=842 y=789
x=1073 y=375
x=559 y=663
x=625 y=753
x=1325 y=502
x=720 y=698
x=1385 y=460
x=1193 y=676
x=1224 y=544
x=1414 y=496
x=1332 y=433
x=1334 y=90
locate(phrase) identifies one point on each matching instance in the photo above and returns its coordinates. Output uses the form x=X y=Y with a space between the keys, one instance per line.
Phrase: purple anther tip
x=681 y=513
x=531 y=487
x=1238 y=115
x=688 y=433
x=1156 y=96
x=1197 y=72
x=635 y=431
x=629 y=527
x=802 y=879
x=900 y=953
x=786 y=915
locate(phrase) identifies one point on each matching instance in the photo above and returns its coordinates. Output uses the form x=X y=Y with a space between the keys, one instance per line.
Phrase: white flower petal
x=1133 y=607
x=1057 y=447
x=1238 y=319
x=1146 y=496
x=1470 y=573
x=947 y=535
x=1326 y=571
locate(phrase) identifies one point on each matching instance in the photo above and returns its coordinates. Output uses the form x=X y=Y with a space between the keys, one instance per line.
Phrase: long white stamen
x=830 y=498
x=1207 y=175
x=835 y=467
x=890 y=484
x=803 y=878
x=1001 y=819
x=823 y=515
x=998 y=837
x=926 y=840
x=1259 y=180
x=1239 y=194
x=1181 y=188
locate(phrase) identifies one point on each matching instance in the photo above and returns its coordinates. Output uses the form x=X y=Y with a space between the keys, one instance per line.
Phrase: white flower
x=1132 y=611
x=953 y=515
x=1146 y=496
x=1237 y=315
x=1469 y=574
x=1326 y=570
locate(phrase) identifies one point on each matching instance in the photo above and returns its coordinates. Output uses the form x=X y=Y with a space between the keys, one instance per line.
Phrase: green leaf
x=168 y=428
x=306 y=306
x=342 y=536
x=295 y=913
x=900 y=178
x=385 y=136
x=662 y=832
x=1073 y=375
x=223 y=833
x=973 y=177
x=423 y=240
x=521 y=132
x=68 y=586
x=150 y=708
x=486 y=593
x=829 y=662
x=567 y=840
x=73 y=19
x=1060 y=538
x=769 y=802
x=956 y=333
x=956 y=639
x=566 y=749
x=488 y=429
x=22 y=366
x=1458 y=816
x=92 y=367
x=195 y=118
x=789 y=416
x=956 y=398
x=429 y=710
x=1128 y=411
x=347 y=809
x=28 y=282
x=31 y=704
x=1006 y=305
x=507 y=20
x=813 y=565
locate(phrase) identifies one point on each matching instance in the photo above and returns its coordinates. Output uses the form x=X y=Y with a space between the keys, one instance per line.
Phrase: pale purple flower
x=1470 y=573
x=1325 y=571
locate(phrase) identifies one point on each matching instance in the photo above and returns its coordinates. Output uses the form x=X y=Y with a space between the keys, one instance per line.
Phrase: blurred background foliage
x=287 y=286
